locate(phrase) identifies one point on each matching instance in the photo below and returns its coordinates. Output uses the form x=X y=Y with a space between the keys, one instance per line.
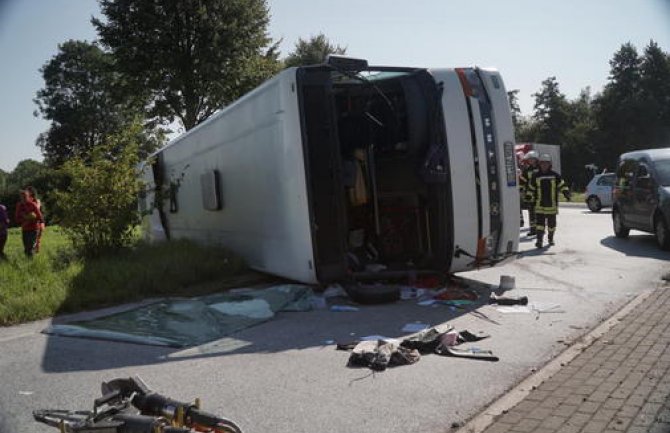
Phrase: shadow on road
x=286 y=331
x=544 y=251
x=601 y=212
x=638 y=245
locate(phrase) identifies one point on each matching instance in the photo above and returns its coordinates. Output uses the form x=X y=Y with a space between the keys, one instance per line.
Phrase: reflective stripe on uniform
x=547 y=209
x=544 y=188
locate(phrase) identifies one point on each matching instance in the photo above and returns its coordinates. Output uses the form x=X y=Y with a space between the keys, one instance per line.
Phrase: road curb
x=513 y=397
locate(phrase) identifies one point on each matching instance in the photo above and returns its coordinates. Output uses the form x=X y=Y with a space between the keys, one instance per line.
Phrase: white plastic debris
x=415 y=327
x=507 y=282
x=333 y=291
x=343 y=308
x=510 y=309
x=375 y=267
x=380 y=337
x=318 y=302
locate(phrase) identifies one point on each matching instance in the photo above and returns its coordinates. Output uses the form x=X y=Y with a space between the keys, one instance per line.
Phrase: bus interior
x=377 y=172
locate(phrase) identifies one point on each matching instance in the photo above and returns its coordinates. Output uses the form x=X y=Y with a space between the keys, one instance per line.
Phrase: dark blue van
x=642 y=194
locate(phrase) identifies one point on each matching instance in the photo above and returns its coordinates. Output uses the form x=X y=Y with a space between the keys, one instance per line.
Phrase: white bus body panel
x=509 y=191
x=256 y=146
x=463 y=184
x=464 y=187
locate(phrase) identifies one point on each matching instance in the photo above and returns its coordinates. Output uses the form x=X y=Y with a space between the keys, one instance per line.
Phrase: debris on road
x=377 y=293
x=407 y=292
x=470 y=352
x=456 y=293
x=381 y=352
x=334 y=291
x=507 y=282
x=449 y=338
x=343 y=308
x=511 y=309
x=414 y=327
x=379 y=337
x=428 y=282
x=547 y=308
x=538 y=308
x=508 y=300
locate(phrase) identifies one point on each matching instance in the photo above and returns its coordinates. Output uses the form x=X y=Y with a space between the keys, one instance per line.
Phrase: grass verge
x=56 y=281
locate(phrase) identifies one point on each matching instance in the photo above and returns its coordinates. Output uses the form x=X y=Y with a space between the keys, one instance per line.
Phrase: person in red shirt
x=40 y=232
x=29 y=217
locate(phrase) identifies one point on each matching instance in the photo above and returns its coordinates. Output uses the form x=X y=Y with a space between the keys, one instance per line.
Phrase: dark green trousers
x=29 y=241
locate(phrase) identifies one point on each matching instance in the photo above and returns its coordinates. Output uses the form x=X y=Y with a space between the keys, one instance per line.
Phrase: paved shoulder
x=620 y=383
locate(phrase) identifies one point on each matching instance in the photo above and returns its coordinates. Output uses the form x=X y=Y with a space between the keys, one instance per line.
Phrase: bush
x=99 y=208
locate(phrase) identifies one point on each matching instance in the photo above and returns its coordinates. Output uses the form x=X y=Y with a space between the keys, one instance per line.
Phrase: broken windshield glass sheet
x=191 y=322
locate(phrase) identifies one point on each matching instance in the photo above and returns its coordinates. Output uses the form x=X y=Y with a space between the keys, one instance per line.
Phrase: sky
x=527 y=40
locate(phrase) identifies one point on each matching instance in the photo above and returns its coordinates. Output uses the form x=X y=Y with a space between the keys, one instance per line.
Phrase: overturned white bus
x=345 y=171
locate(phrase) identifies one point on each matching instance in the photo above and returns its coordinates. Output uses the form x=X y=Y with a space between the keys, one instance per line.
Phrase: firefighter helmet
x=545 y=157
x=530 y=155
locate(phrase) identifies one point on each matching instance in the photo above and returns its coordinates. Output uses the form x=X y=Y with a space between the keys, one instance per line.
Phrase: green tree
x=3 y=181
x=100 y=205
x=43 y=178
x=192 y=56
x=25 y=173
x=312 y=51
x=655 y=95
x=617 y=110
x=527 y=130
x=577 y=149
x=85 y=100
x=570 y=124
x=513 y=98
x=624 y=78
x=551 y=113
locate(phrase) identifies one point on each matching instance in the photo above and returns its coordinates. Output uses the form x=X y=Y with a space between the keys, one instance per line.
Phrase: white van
x=345 y=171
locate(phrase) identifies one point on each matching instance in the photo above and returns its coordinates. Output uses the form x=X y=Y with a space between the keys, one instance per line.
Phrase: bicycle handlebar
x=113 y=413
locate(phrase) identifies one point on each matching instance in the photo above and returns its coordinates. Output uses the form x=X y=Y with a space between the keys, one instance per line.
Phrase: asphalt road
x=285 y=375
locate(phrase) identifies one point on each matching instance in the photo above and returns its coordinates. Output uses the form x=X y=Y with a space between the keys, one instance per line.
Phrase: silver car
x=599 y=191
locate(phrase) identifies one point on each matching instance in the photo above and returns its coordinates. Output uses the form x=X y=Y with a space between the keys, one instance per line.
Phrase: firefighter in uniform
x=530 y=167
x=543 y=188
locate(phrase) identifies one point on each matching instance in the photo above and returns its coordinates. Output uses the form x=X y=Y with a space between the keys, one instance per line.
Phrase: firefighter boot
x=550 y=237
x=540 y=236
